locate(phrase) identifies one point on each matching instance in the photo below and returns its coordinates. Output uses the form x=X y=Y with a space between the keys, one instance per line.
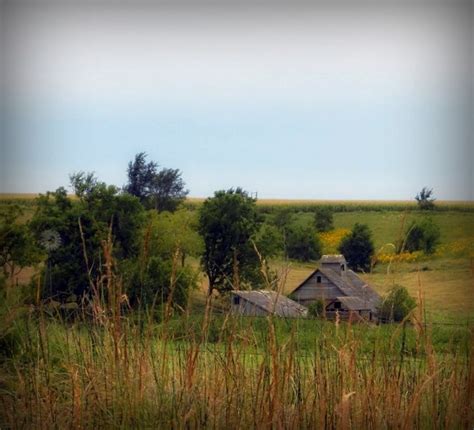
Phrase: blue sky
x=289 y=107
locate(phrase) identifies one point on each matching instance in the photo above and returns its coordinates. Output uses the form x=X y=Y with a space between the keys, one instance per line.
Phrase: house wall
x=312 y=291
x=247 y=308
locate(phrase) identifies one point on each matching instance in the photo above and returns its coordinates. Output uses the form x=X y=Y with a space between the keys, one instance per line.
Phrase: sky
x=333 y=100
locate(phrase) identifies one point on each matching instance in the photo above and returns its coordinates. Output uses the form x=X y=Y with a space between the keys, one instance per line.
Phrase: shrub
x=396 y=305
x=358 y=248
x=422 y=236
x=316 y=309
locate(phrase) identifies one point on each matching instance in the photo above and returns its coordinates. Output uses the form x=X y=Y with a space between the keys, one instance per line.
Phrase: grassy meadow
x=108 y=367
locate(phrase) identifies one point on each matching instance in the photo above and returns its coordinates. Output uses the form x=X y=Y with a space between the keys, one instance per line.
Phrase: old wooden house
x=340 y=289
x=264 y=302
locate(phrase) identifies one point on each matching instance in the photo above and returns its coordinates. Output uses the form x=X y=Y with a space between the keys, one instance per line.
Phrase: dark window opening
x=318 y=279
x=236 y=300
x=337 y=305
x=342 y=267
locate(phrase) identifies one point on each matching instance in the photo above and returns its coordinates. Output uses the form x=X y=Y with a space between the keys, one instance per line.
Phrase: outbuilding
x=265 y=302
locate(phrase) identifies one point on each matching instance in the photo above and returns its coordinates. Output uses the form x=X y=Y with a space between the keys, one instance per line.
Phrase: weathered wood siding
x=312 y=290
x=248 y=309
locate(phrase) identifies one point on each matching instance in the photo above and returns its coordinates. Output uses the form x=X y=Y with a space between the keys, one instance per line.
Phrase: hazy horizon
x=334 y=101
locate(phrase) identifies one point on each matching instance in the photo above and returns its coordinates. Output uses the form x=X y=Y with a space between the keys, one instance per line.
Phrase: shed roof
x=273 y=303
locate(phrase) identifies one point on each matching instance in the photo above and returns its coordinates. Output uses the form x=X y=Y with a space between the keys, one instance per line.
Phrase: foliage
x=166 y=232
x=270 y=240
x=228 y=222
x=303 y=243
x=424 y=199
x=17 y=247
x=100 y=209
x=151 y=285
x=140 y=177
x=423 y=236
x=358 y=248
x=316 y=309
x=323 y=219
x=396 y=305
x=162 y=190
x=168 y=190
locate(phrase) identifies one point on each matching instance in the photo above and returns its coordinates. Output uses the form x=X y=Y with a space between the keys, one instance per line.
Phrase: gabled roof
x=273 y=303
x=348 y=282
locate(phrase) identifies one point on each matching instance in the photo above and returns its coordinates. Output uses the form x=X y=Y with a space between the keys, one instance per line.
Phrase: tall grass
x=82 y=375
x=102 y=369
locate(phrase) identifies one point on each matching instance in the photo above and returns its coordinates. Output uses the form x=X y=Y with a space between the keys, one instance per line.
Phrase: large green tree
x=228 y=223
x=162 y=189
x=358 y=248
x=79 y=227
x=303 y=243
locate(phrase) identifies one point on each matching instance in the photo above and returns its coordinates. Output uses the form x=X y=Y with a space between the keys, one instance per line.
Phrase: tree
x=168 y=190
x=358 y=248
x=168 y=232
x=228 y=222
x=422 y=235
x=303 y=243
x=140 y=177
x=269 y=240
x=396 y=305
x=282 y=220
x=425 y=199
x=323 y=219
x=17 y=247
x=82 y=226
x=162 y=190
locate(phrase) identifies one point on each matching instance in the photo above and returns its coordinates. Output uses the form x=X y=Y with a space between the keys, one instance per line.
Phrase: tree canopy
x=358 y=248
x=323 y=219
x=228 y=223
x=303 y=243
x=82 y=226
x=425 y=199
x=162 y=189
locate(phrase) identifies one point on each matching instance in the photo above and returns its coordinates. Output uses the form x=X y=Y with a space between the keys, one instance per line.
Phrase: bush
x=303 y=243
x=323 y=219
x=421 y=236
x=316 y=309
x=358 y=248
x=396 y=305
